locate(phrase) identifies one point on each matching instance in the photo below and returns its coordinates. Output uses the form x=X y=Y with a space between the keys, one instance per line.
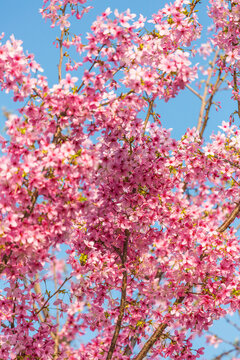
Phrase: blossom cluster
x=55 y=11
x=16 y=68
x=226 y=20
x=140 y=216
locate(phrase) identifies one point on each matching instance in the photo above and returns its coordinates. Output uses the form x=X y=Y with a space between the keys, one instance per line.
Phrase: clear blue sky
x=22 y=19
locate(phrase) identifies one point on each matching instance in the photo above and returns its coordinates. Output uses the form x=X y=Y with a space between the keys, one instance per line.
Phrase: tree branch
x=148 y=114
x=194 y=92
x=133 y=340
x=61 y=49
x=38 y=291
x=204 y=102
x=61 y=56
x=151 y=341
x=51 y=296
x=237 y=90
x=210 y=100
x=94 y=62
x=123 y=299
x=229 y=219
x=33 y=202
x=155 y=336
x=56 y=339
x=192 y=6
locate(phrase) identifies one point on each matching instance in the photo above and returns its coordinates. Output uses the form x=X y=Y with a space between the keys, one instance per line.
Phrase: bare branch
x=51 y=296
x=232 y=323
x=225 y=353
x=194 y=92
x=237 y=90
x=61 y=56
x=61 y=49
x=204 y=102
x=210 y=101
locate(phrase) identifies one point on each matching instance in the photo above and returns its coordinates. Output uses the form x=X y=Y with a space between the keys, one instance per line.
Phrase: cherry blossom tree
x=118 y=241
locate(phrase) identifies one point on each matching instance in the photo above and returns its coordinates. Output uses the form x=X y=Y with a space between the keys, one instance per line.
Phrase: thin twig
x=34 y=196
x=194 y=92
x=51 y=296
x=5 y=260
x=94 y=62
x=232 y=323
x=82 y=83
x=224 y=340
x=225 y=353
x=224 y=160
x=120 y=97
x=237 y=90
x=236 y=210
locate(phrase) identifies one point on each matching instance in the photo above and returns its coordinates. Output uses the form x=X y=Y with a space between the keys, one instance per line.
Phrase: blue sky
x=22 y=19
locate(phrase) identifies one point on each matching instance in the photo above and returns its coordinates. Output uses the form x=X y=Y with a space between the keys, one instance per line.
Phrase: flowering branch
x=192 y=6
x=34 y=198
x=151 y=341
x=155 y=336
x=105 y=175
x=91 y=67
x=123 y=298
x=56 y=338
